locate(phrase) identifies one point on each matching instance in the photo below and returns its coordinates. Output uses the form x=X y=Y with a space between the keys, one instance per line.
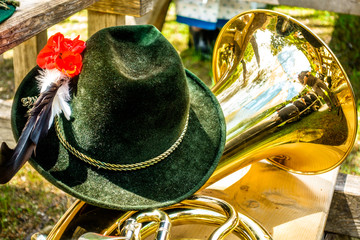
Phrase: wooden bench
x=344 y=214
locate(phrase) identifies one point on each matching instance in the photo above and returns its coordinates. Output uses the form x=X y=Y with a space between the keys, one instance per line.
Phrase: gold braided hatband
x=113 y=166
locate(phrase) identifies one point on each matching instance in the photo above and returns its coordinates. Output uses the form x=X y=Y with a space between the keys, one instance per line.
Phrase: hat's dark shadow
x=71 y=172
x=185 y=165
x=188 y=165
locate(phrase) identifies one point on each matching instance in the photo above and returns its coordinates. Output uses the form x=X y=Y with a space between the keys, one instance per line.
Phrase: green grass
x=179 y=36
x=345 y=44
x=6 y=79
x=344 y=41
x=28 y=204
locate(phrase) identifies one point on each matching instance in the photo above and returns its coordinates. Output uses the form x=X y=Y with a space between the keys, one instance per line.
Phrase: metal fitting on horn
x=132 y=225
x=205 y=210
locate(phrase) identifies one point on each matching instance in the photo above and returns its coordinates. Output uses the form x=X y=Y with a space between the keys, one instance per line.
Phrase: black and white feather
x=53 y=99
x=61 y=99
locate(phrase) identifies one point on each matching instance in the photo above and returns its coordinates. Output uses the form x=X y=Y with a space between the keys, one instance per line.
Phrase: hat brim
x=5 y=14
x=170 y=181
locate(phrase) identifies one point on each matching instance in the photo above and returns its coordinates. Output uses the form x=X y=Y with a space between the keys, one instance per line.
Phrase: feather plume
x=36 y=127
x=60 y=60
x=60 y=102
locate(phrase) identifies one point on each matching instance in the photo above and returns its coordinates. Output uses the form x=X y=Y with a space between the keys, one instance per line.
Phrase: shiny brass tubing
x=212 y=211
x=155 y=215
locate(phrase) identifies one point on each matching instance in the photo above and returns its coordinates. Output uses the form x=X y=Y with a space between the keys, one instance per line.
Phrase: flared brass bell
x=284 y=94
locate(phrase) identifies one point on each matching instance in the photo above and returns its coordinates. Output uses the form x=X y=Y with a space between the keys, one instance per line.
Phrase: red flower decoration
x=63 y=54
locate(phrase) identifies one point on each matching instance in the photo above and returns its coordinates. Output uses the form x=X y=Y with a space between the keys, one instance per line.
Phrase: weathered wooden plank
x=344 y=215
x=289 y=206
x=5 y=110
x=157 y=16
x=333 y=236
x=24 y=58
x=33 y=17
x=6 y=134
x=135 y=8
x=99 y=20
x=338 y=6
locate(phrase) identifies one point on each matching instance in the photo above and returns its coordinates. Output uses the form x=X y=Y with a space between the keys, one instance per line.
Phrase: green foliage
x=314 y=16
x=345 y=43
x=341 y=33
x=177 y=34
x=6 y=79
x=28 y=203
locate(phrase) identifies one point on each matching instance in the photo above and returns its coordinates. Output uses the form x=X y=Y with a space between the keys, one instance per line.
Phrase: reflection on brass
x=283 y=93
x=197 y=209
x=285 y=98
x=280 y=159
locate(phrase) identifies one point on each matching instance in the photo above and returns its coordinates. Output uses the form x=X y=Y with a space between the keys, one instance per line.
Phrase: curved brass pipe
x=197 y=209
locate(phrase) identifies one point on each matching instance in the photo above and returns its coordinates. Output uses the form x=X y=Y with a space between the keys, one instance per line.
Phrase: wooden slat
x=338 y=6
x=155 y=17
x=24 y=59
x=99 y=20
x=135 y=8
x=289 y=206
x=33 y=17
x=344 y=215
x=23 y=63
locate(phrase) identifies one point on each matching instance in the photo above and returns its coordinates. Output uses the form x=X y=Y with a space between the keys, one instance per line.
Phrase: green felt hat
x=133 y=102
x=6 y=13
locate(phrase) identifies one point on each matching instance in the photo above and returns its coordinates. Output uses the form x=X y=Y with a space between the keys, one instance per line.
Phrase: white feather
x=60 y=101
x=48 y=76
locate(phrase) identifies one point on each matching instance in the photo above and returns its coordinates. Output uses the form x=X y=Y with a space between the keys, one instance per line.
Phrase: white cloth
x=212 y=10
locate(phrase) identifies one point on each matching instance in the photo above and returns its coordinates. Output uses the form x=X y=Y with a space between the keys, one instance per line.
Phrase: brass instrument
x=128 y=225
x=257 y=59
x=270 y=114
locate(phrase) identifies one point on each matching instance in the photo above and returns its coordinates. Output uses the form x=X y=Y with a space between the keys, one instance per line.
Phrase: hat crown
x=131 y=98
x=126 y=110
